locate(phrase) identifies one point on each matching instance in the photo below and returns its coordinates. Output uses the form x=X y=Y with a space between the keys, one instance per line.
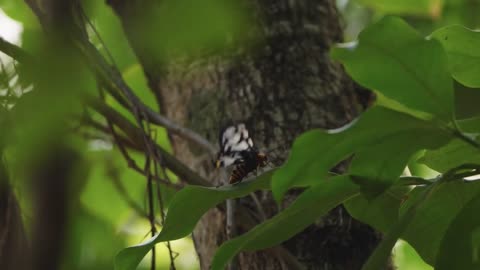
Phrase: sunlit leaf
x=461 y=45
x=430 y=8
x=406 y=257
x=19 y=11
x=111 y=39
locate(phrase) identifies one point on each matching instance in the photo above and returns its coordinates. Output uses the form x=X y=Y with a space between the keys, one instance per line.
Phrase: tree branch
x=135 y=134
x=113 y=83
x=13 y=51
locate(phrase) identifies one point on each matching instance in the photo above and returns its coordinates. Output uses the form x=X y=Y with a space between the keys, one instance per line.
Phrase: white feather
x=230 y=159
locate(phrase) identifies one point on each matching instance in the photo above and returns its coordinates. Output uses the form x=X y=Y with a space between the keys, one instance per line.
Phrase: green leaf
x=394 y=105
x=113 y=40
x=393 y=59
x=462 y=47
x=452 y=155
x=405 y=257
x=460 y=247
x=379 y=257
x=430 y=8
x=380 y=212
x=19 y=11
x=100 y=196
x=186 y=208
x=470 y=125
x=427 y=229
x=375 y=168
x=310 y=205
x=179 y=28
x=43 y=116
x=91 y=242
x=308 y=163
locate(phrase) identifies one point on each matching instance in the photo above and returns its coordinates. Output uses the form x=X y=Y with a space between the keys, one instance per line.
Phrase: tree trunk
x=286 y=86
x=13 y=240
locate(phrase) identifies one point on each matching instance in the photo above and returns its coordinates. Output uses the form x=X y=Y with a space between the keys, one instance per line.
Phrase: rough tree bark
x=285 y=87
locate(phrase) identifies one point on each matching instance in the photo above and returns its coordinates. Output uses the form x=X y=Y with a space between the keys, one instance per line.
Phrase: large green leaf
x=462 y=47
x=310 y=205
x=430 y=8
x=186 y=208
x=316 y=151
x=460 y=247
x=379 y=165
x=379 y=257
x=470 y=125
x=380 y=212
x=427 y=229
x=452 y=155
x=393 y=59
x=19 y=11
x=456 y=152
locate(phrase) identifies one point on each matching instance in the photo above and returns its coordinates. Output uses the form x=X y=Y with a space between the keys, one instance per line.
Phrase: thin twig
x=259 y=206
x=162 y=215
x=114 y=82
x=119 y=141
x=107 y=131
x=151 y=209
x=135 y=135
x=112 y=85
x=123 y=192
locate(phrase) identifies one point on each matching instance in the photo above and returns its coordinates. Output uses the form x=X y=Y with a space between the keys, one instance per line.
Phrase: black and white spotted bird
x=237 y=149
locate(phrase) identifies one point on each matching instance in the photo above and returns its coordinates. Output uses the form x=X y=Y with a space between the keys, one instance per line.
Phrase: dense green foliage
x=392 y=59
x=414 y=72
x=427 y=113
